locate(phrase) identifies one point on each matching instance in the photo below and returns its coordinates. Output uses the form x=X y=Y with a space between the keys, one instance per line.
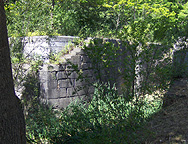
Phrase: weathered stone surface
x=62 y=67
x=76 y=59
x=85 y=59
x=72 y=82
x=81 y=52
x=52 y=84
x=64 y=102
x=52 y=76
x=64 y=83
x=73 y=75
x=63 y=92
x=43 y=76
x=70 y=92
x=53 y=102
x=58 y=83
x=61 y=75
x=53 y=67
x=85 y=66
x=44 y=45
x=87 y=73
x=81 y=92
x=53 y=93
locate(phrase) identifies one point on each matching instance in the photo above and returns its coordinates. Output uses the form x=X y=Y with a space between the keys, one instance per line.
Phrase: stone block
x=44 y=85
x=61 y=75
x=78 y=83
x=64 y=102
x=43 y=74
x=63 y=38
x=53 y=67
x=62 y=92
x=52 y=84
x=180 y=64
x=53 y=93
x=52 y=76
x=55 y=48
x=82 y=52
x=91 y=89
x=81 y=92
x=77 y=50
x=81 y=82
x=73 y=75
x=69 y=67
x=43 y=79
x=70 y=92
x=58 y=44
x=72 y=82
x=43 y=93
x=64 y=83
x=76 y=59
x=53 y=102
x=77 y=99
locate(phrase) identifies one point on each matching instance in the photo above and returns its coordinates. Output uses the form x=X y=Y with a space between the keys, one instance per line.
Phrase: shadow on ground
x=170 y=125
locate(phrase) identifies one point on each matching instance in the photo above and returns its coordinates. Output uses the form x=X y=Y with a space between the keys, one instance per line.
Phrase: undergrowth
x=107 y=118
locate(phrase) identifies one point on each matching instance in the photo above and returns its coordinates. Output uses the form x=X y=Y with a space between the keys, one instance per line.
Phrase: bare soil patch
x=170 y=125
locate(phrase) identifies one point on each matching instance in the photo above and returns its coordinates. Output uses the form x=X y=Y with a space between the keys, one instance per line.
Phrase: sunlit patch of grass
x=152 y=103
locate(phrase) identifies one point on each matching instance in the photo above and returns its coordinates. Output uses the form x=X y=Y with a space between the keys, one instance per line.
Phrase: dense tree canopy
x=152 y=20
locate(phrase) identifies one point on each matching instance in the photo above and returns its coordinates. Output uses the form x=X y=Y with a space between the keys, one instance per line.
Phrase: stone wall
x=60 y=84
x=74 y=78
x=43 y=45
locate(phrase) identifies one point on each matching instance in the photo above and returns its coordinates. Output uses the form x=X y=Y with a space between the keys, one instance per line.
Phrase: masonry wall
x=63 y=83
x=31 y=47
x=43 y=45
x=60 y=84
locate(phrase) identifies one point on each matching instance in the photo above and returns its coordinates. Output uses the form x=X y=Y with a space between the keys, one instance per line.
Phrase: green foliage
x=106 y=118
x=149 y=29
x=26 y=17
x=57 y=58
x=16 y=50
x=103 y=54
x=140 y=69
x=148 y=20
x=42 y=124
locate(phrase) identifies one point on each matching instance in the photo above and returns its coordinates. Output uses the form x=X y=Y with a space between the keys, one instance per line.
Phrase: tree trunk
x=12 y=124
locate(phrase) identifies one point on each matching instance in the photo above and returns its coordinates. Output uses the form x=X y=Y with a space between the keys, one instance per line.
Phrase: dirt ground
x=170 y=125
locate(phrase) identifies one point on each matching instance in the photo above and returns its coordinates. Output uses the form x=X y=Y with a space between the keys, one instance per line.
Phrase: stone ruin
x=60 y=83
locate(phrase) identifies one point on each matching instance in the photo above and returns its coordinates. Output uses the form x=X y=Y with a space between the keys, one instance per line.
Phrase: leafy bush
x=107 y=119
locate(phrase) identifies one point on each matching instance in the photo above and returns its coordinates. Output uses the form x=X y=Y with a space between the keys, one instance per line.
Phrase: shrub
x=108 y=118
